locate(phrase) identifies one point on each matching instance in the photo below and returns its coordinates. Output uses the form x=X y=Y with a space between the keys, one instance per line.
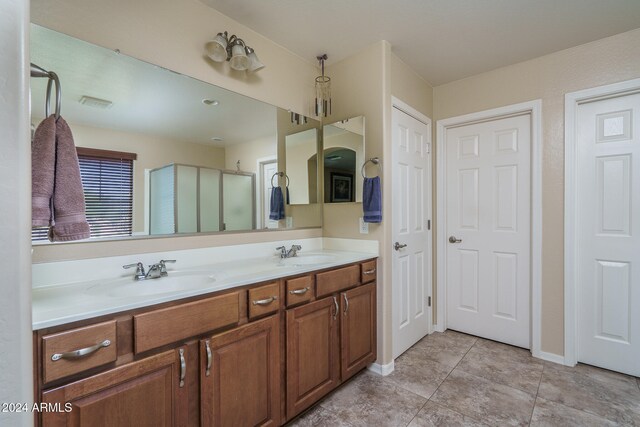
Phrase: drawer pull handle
x=335 y=303
x=300 y=291
x=208 y=371
x=183 y=368
x=76 y=354
x=346 y=304
x=265 y=301
x=373 y=270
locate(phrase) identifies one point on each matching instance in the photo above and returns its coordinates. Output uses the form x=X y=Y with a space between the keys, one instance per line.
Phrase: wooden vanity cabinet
x=313 y=353
x=331 y=339
x=215 y=360
x=357 y=329
x=240 y=376
x=142 y=393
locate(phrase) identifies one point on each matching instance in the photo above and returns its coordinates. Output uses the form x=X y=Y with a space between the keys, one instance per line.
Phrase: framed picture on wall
x=341 y=187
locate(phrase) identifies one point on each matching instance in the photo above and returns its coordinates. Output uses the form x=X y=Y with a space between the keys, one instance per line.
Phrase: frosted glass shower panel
x=238 y=201
x=161 y=200
x=209 y=200
x=187 y=206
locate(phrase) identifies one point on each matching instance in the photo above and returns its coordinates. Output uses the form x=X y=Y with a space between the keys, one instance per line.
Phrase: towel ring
x=375 y=161
x=280 y=174
x=37 y=71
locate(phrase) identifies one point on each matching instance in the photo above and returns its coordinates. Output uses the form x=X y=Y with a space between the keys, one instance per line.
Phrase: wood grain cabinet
x=143 y=393
x=329 y=341
x=357 y=329
x=240 y=376
x=313 y=358
x=257 y=355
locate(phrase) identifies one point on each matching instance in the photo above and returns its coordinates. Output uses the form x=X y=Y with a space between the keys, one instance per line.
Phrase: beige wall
x=172 y=34
x=548 y=78
x=298 y=171
x=410 y=88
x=249 y=152
x=152 y=151
x=363 y=85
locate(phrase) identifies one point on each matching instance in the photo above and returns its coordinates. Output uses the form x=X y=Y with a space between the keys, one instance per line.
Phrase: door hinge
x=428 y=224
x=428 y=301
x=428 y=147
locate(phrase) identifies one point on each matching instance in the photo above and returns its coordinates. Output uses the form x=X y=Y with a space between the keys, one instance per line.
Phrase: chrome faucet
x=155 y=270
x=284 y=253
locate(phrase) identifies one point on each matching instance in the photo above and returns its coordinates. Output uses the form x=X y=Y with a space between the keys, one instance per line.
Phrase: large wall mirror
x=164 y=153
x=343 y=146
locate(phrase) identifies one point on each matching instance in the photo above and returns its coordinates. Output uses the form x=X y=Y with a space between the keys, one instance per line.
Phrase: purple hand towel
x=70 y=222
x=372 y=200
x=43 y=157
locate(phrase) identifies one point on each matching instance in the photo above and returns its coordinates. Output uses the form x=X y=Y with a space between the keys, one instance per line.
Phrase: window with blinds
x=107 y=178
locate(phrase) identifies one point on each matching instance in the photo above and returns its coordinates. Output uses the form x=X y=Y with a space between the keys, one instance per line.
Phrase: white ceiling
x=442 y=40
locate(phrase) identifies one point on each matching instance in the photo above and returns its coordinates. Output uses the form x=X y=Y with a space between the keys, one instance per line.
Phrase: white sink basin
x=176 y=281
x=309 y=259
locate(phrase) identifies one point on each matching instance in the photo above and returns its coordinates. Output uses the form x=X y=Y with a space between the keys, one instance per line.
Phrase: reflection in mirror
x=197 y=154
x=302 y=166
x=343 y=144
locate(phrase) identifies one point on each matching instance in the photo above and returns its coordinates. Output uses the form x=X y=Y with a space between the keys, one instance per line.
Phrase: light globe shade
x=239 y=60
x=254 y=62
x=217 y=48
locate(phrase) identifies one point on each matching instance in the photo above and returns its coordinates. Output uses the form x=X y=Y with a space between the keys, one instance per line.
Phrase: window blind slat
x=108 y=192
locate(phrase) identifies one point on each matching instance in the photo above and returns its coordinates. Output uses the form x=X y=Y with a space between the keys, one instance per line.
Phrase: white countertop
x=65 y=303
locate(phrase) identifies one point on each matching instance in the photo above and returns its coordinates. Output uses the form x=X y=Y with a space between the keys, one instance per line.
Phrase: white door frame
x=260 y=197
x=571 y=102
x=407 y=109
x=534 y=108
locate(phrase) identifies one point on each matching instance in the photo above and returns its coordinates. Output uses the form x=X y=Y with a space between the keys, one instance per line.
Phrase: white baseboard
x=550 y=357
x=383 y=370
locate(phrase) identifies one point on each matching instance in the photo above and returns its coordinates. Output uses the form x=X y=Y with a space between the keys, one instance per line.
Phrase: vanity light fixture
x=233 y=49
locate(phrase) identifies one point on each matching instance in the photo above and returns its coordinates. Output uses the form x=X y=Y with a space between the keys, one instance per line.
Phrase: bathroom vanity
x=254 y=354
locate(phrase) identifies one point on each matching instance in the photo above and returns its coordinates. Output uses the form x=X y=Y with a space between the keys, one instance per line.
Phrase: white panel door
x=488 y=229
x=411 y=212
x=608 y=242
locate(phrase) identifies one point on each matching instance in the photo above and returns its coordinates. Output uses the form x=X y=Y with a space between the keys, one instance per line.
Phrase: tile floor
x=453 y=379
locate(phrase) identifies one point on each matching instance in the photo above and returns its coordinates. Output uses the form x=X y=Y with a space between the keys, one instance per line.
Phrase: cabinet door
x=240 y=376
x=358 y=329
x=313 y=364
x=143 y=393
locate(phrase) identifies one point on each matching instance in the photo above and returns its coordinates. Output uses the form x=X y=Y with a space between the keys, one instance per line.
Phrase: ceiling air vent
x=95 y=102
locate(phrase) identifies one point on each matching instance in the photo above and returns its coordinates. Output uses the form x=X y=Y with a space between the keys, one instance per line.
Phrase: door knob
x=454 y=239
x=397 y=246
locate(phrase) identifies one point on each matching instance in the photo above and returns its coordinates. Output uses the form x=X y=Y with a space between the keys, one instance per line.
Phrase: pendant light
x=323 y=90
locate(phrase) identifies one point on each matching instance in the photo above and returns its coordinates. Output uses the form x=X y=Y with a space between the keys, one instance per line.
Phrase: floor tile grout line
x=445 y=379
x=434 y=392
x=535 y=399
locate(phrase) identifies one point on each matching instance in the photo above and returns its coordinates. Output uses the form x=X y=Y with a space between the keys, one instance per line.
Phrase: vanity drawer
x=159 y=327
x=368 y=271
x=77 y=350
x=299 y=290
x=337 y=280
x=264 y=300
